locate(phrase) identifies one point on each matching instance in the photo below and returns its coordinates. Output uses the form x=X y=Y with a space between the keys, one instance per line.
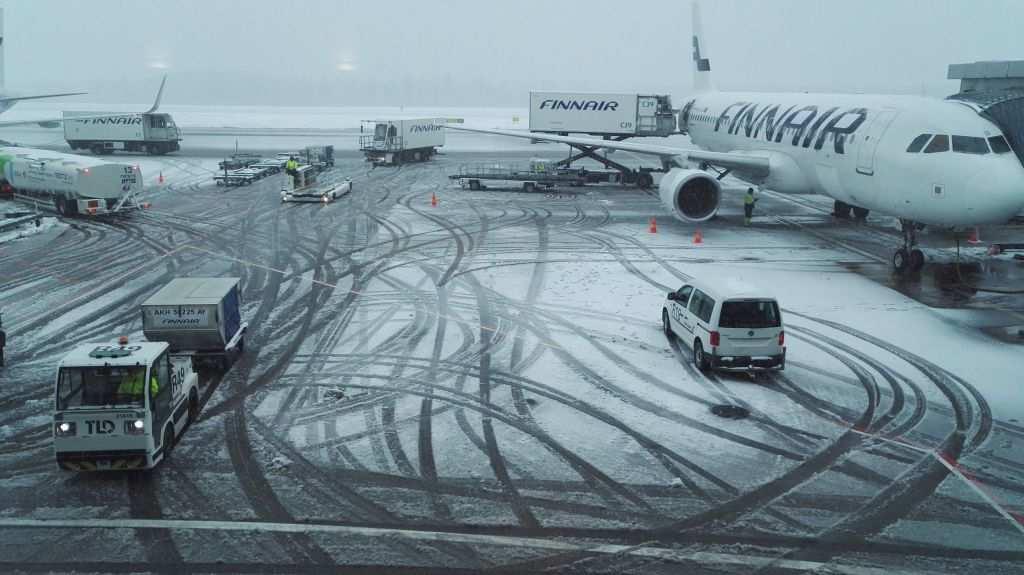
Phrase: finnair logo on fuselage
x=426 y=128
x=582 y=105
x=807 y=124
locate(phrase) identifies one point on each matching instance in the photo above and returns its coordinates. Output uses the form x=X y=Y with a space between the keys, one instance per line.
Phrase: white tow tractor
x=303 y=186
x=122 y=406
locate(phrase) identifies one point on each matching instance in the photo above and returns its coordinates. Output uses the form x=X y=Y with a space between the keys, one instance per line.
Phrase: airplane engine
x=690 y=195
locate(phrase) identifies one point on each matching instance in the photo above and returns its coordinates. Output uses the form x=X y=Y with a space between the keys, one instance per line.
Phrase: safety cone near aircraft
x=161 y=176
x=653 y=227
x=974 y=236
x=433 y=199
x=698 y=237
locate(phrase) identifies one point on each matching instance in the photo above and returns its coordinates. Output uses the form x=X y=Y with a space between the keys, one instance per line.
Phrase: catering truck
x=152 y=133
x=394 y=142
x=77 y=185
x=123 y=405
x=612 y=115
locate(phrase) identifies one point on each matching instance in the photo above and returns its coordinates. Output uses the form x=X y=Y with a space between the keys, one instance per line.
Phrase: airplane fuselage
x=854 y=148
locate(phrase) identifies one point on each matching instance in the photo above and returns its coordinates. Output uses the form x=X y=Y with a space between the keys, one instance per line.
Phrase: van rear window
x=749 y=314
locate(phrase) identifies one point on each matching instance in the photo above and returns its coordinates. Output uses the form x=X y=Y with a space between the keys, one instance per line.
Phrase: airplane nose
x=996 y=194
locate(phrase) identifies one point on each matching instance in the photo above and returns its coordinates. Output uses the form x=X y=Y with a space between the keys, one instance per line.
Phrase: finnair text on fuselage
x=807 y=123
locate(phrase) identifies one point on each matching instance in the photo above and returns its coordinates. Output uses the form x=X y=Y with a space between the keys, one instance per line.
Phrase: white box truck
x=75 y=184
x=396 y=141
x=601 y=114
x=151 y=133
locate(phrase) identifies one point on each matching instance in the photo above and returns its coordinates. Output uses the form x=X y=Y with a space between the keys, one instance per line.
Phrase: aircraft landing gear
x=841 y=210
x=908 y=257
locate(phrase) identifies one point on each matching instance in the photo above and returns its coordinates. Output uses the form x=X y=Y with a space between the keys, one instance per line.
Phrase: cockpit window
x=940 y=143
x=999 y=145
x=918 y=143
x=969 y=145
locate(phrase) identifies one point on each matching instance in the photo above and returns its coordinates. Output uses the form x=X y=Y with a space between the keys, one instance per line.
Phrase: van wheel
x=666 y=324
x=700 y=359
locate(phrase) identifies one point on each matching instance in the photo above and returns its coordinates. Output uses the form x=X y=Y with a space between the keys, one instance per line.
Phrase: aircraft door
x=869 y=142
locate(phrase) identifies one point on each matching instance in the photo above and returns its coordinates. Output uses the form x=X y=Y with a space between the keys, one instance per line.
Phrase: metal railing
x=374 y=144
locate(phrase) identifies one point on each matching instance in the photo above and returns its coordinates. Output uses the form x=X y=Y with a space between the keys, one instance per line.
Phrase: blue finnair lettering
x=581 y=105
x=804 y=124
x=417 y=128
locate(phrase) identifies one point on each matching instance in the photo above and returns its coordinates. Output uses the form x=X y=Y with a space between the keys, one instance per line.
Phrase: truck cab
x=121 y=406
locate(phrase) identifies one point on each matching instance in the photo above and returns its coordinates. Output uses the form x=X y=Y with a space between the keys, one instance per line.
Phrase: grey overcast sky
x=489 y=52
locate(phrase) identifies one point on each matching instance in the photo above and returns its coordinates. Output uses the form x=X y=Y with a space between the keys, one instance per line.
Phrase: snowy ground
x=484 y=385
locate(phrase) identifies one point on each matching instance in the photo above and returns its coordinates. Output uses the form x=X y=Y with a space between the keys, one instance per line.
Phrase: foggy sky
x=488 y=52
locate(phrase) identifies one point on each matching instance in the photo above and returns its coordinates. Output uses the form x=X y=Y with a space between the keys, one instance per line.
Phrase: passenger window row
x=960 y=144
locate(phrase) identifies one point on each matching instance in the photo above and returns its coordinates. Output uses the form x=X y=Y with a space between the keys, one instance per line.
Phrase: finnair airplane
x=923 y=160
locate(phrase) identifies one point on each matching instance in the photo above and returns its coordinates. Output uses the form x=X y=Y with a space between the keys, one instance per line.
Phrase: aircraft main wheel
x=916 y=259
x=901 y=260
x=666 y=325
x=860 y=213
x=841 y=210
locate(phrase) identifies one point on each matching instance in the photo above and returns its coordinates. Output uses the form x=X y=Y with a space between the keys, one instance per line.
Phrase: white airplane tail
x=159 y=94
x=702 y=81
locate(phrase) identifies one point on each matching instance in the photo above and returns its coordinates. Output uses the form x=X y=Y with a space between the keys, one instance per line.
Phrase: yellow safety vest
x=133 y=386
x=749 y=200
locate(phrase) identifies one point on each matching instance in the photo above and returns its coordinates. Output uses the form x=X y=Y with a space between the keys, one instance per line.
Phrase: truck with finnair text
x=395 y=142
x=151 y=133
x=602 y=114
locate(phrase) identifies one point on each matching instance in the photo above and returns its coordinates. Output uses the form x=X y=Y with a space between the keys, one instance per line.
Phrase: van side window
x=706 y=309
x=683 y=295
x=694 y=306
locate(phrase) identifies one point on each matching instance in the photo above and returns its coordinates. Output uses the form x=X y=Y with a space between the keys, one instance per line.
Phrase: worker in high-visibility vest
x=748 y=206
x=132 y=384
x=291 y=166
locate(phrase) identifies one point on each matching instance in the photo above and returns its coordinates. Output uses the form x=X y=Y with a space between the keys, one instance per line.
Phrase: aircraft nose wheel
x=908 y=258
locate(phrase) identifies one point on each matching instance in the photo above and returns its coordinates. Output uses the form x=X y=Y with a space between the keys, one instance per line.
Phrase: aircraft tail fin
x=159 y=94
x=702 y=80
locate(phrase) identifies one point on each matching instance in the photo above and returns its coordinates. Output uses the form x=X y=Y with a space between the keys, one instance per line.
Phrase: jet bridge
x=996 y=91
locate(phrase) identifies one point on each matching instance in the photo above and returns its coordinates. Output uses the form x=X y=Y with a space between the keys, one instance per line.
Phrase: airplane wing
x=13 y=99
x=754 y=166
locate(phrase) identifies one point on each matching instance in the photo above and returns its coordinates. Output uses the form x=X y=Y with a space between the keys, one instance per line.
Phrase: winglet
x=702 y=81
x=159 y=94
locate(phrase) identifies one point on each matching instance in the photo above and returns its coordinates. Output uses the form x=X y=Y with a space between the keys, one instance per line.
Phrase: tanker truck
x=77 y=185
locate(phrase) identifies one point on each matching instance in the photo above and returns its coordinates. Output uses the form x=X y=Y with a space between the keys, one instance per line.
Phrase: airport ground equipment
x=393 y=142
x=77 y=185
x=122 y=406
x=320 y=157
x=995 y=90
x=612 y=115
x=198 y=316
x=152 y=133
x=238 y=161
x=305 y=186
x=243 y=176
x=536 y=174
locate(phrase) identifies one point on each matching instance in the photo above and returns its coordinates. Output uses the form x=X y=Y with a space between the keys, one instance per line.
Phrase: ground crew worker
x=748 y=206
x=132 y=384
x=291 y=166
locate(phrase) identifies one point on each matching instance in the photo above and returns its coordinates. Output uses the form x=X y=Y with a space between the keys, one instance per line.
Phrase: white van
x=727 y=326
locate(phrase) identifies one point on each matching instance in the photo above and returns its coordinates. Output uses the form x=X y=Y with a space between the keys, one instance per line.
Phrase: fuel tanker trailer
x=77 y=185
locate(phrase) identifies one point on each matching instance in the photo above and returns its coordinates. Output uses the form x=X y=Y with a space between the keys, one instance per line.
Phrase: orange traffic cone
x=974 y=237
x=698 y=237
x=161 y=176
x=433 y=199
x=653 y=227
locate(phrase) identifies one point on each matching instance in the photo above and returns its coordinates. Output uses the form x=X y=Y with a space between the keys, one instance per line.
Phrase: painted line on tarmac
x=957 y=470
x=546 y=544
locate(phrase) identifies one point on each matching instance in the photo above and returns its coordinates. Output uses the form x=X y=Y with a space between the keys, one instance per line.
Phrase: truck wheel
x=168 y=444
x=97 y=149
x=417 y=156
x=193 y=408
x=474 y=185
x=529 y=186
x=700 y=359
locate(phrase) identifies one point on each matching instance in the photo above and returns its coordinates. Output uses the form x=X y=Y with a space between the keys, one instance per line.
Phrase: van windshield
x=101 y=386
x=749 y=314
